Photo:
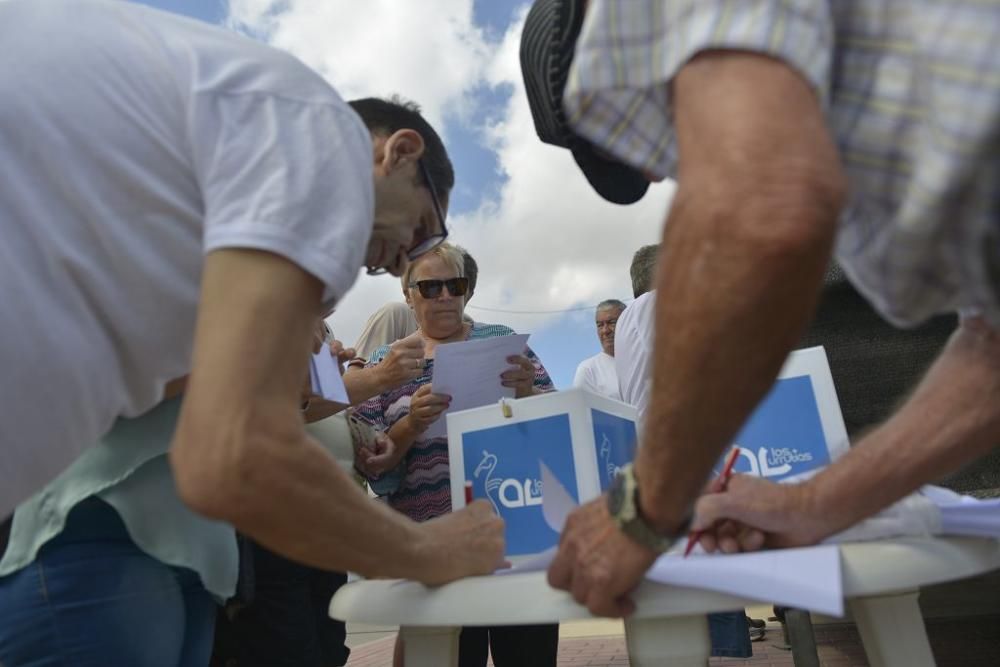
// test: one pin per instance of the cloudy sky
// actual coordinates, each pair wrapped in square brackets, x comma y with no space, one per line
[548,248]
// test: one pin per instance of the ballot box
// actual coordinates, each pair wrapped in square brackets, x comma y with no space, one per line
[581,437]
[798,428]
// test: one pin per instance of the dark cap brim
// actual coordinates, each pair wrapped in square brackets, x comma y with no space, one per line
[614,181]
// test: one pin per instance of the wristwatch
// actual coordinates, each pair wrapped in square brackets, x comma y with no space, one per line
[623,504]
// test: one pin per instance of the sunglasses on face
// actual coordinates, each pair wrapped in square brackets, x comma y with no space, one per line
[430,242]
[431,289]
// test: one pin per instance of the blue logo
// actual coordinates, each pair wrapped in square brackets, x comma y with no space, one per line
[784,436]
[502,464]
[614,442]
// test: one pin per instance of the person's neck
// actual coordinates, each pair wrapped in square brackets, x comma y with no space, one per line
[430,342]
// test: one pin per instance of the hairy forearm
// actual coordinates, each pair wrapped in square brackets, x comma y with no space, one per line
[363,383]
[952,418]
[240,452]
[718,347]
[744,250]
[295,499]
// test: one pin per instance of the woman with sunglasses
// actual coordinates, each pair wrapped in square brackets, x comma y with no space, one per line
[416,479]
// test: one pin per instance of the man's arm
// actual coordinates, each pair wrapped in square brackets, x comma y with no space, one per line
[744,249]
[240,452]
[952,418]
[745,246]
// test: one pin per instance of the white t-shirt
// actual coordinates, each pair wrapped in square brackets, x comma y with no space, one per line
[633,348]
[132,143]
[597,373]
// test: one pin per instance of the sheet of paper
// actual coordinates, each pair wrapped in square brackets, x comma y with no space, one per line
[965,515]
[326,378]
[469,371]
[806,578]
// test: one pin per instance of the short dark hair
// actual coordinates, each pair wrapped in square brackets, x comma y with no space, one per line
[611,303]
[643,269]
[386,116]
[471,269]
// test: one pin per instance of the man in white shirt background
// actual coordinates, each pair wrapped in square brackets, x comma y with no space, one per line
[597,373]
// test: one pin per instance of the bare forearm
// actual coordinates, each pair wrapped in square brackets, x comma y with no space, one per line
[717,350]
[743,255]
[363,383]
[952,418]
[404,434]
[297,501]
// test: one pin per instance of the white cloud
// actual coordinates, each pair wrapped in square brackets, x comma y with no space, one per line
[548,242]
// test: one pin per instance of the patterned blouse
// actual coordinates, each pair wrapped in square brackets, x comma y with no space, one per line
[420,487]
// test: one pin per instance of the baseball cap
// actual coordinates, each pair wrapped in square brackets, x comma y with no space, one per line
[547,45]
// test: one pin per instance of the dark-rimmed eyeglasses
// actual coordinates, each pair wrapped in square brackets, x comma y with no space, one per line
[431,289]
[432,241]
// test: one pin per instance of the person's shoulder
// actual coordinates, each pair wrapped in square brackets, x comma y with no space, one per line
[484,330]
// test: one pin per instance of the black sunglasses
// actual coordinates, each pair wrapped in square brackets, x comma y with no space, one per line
[431,289]
[432,241]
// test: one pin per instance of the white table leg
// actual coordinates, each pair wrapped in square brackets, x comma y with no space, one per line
[679,641]
[430,646]
[892,630]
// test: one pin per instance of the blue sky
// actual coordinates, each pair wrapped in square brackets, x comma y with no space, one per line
[548,247]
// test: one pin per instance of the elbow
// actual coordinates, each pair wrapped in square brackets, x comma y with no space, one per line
[216,480]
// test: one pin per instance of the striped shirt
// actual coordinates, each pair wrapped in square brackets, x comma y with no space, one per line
[421,487]
[910,90]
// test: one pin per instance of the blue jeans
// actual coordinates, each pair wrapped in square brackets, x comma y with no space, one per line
[92,598]
[730,634]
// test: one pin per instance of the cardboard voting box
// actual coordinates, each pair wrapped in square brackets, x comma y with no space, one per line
[581,437]
[798,428]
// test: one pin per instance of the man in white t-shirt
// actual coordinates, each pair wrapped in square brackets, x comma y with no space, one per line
[178,199]
[597,373]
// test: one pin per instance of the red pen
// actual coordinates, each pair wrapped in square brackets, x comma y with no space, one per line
[468,492]
[727,472]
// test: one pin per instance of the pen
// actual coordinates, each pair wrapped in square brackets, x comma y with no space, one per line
[727,472]
[468,492]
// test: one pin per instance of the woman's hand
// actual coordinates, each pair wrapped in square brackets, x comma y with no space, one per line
[426,407]
[404,362]
[520,376]
[378,457]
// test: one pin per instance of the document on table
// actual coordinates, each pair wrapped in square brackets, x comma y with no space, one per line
[806,578]
[324,374]
[469,372]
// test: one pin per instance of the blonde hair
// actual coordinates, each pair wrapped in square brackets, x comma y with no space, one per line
[448,253]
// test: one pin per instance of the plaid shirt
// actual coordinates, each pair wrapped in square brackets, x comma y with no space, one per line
[911,93]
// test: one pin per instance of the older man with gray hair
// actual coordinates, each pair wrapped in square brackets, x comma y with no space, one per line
[597,373]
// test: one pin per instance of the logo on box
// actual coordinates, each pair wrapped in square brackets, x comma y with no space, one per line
[502,464]
[784,437]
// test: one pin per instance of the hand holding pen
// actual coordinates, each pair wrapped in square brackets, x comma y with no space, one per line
[720,486]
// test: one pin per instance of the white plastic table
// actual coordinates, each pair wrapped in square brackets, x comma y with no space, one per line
[881,584]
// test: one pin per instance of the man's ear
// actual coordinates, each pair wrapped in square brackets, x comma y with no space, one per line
[406,297]
[403,147]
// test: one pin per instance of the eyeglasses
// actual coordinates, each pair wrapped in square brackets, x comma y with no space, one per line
[432,241]
[431,289]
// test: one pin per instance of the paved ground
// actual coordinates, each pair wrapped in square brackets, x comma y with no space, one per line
[971,642]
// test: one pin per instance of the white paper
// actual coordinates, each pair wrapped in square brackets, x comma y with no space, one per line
[806,578]
[469,371]
[556,501]
[326,378]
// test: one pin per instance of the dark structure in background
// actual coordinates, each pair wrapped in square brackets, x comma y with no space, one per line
[875,366]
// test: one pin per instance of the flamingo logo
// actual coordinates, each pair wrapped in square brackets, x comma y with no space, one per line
[487,466]
[510,492]
[610,469]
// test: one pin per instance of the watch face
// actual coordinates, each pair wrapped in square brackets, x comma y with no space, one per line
[616,495]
